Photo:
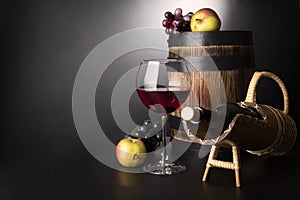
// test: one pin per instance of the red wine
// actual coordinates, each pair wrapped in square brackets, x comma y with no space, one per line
[163,99]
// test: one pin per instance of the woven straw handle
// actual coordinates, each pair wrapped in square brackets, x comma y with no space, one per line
[251,93]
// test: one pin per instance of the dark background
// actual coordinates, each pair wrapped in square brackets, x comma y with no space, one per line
[43,46]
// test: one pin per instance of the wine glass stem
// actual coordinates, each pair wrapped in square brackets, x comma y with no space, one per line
[164,139]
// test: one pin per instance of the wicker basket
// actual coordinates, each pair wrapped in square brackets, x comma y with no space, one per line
[287,130]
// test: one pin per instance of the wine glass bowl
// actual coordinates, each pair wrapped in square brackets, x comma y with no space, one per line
[163,85]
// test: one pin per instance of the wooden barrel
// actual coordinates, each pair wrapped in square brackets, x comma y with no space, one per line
[222,61]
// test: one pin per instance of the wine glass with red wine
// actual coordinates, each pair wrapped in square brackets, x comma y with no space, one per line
[163,85]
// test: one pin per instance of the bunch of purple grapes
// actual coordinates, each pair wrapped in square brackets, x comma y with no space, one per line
[150,133]
[176,22]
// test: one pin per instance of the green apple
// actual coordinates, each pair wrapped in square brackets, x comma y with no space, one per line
[130,152]
[205,19]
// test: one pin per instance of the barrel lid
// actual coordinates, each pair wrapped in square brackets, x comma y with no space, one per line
[207,38]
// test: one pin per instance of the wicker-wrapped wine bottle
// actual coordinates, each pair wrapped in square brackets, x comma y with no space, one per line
[258,128]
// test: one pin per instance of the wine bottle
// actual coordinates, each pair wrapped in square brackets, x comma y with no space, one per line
[198,114]
[218,119]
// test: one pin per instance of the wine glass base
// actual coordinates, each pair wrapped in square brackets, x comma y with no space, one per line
[166,169]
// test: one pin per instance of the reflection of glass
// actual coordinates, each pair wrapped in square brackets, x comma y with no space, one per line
[163,85]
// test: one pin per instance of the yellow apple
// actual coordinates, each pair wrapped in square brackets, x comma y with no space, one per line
[205,19]
[131,152]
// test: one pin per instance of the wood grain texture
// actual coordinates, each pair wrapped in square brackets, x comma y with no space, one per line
[213,87]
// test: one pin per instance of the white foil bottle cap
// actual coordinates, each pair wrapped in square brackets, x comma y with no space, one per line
[191,114]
